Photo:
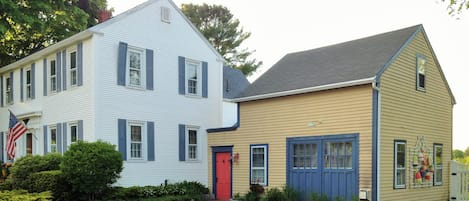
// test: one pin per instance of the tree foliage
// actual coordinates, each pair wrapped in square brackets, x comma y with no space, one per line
[457,6]
[223,31]
[91,167]
[27,26]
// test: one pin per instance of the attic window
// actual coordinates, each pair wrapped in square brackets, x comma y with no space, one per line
[165,14]
[421,72]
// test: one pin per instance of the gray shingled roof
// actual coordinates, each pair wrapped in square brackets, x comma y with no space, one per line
[234,82]
[348,61]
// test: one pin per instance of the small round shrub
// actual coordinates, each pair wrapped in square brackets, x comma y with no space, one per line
[25,166]
[274,194]
[91,167]
[45,181]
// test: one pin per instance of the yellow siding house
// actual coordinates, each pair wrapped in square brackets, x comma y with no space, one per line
[369,118]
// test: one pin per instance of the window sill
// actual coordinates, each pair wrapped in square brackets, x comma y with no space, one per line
[136,160]
[137,88]
[193,161]
[195,96]
[421,89]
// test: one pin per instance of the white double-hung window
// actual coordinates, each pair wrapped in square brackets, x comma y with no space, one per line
[438,160]
[399,164]
[53,76]
[259,164]
[8,91]
[27,84]
[136,136]
[192,143]
[73,69]
[193,78]
[53,138]
[135,67]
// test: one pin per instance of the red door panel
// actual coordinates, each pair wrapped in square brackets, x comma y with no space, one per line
[223,174]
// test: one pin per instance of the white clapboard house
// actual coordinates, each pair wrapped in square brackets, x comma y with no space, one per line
[145,80]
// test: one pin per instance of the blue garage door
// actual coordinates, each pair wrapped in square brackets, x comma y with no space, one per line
[326,165]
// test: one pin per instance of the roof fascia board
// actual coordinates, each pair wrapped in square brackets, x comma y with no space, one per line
[307,90]
[395,55]
[219,56]
[453,99]
[48,50]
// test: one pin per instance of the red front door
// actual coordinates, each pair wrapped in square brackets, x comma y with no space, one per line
[223,174]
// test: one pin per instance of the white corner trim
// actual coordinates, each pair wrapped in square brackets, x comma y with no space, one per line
[307,90]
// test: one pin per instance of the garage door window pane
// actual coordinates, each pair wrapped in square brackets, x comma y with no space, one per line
[338,155]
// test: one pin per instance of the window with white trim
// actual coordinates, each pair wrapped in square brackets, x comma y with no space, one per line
[193,78]
[136,138]
[27,84]
[192,143]
[73,130]
[73,68]
[135,67]
[165,14]
[8,92]
[421,72]
[399,164]
[259,164]
[438,164]
[53,76]
[53,138]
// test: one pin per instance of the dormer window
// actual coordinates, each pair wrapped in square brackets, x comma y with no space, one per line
[421,61]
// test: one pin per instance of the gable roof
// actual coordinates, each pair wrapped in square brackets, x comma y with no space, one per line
[345,64]
[234,82]
[87,33]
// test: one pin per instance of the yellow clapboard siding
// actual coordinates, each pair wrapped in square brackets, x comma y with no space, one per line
[271,121]
[407,113]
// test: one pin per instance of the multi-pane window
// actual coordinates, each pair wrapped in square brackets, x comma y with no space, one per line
[259,164]
[53,76]
[399,164]
[53,139]
[192,141]
[421,72]
[305,156]
[73,69]
[338,155]
[135,66]
[73,133]
[28,84]
[192,78]
[136,142]
[8,92]
[438,161]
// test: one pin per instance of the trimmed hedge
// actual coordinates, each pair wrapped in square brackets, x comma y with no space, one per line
[22,195]
[45,181]
[24,167]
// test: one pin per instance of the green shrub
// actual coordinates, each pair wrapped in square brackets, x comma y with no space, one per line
[7,185]
[24,167]
[45,181]
[291,194]
[316,197]
[23,195]
[193,187]
[91,167]
[274,194]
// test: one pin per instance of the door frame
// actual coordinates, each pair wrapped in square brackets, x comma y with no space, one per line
[215,150]
[321,139]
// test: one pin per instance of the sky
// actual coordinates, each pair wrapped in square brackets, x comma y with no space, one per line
[281,27]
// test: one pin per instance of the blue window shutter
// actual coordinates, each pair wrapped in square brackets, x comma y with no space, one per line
[1,147]
[1,91]
[121,130]
[12,87]
[80,130]
[121,63]
[80,64]
[33,81]
[182,142]
[151,140]
[204,79]
[182,75]
[58,71]
[149,73]
[45,139]
[64,70]
[59,138]
[44,67]
[64,137]
[21,85]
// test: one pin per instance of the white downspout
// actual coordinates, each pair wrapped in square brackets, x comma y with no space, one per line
[378,136]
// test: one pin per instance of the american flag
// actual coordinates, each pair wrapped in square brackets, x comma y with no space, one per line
[15,130]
